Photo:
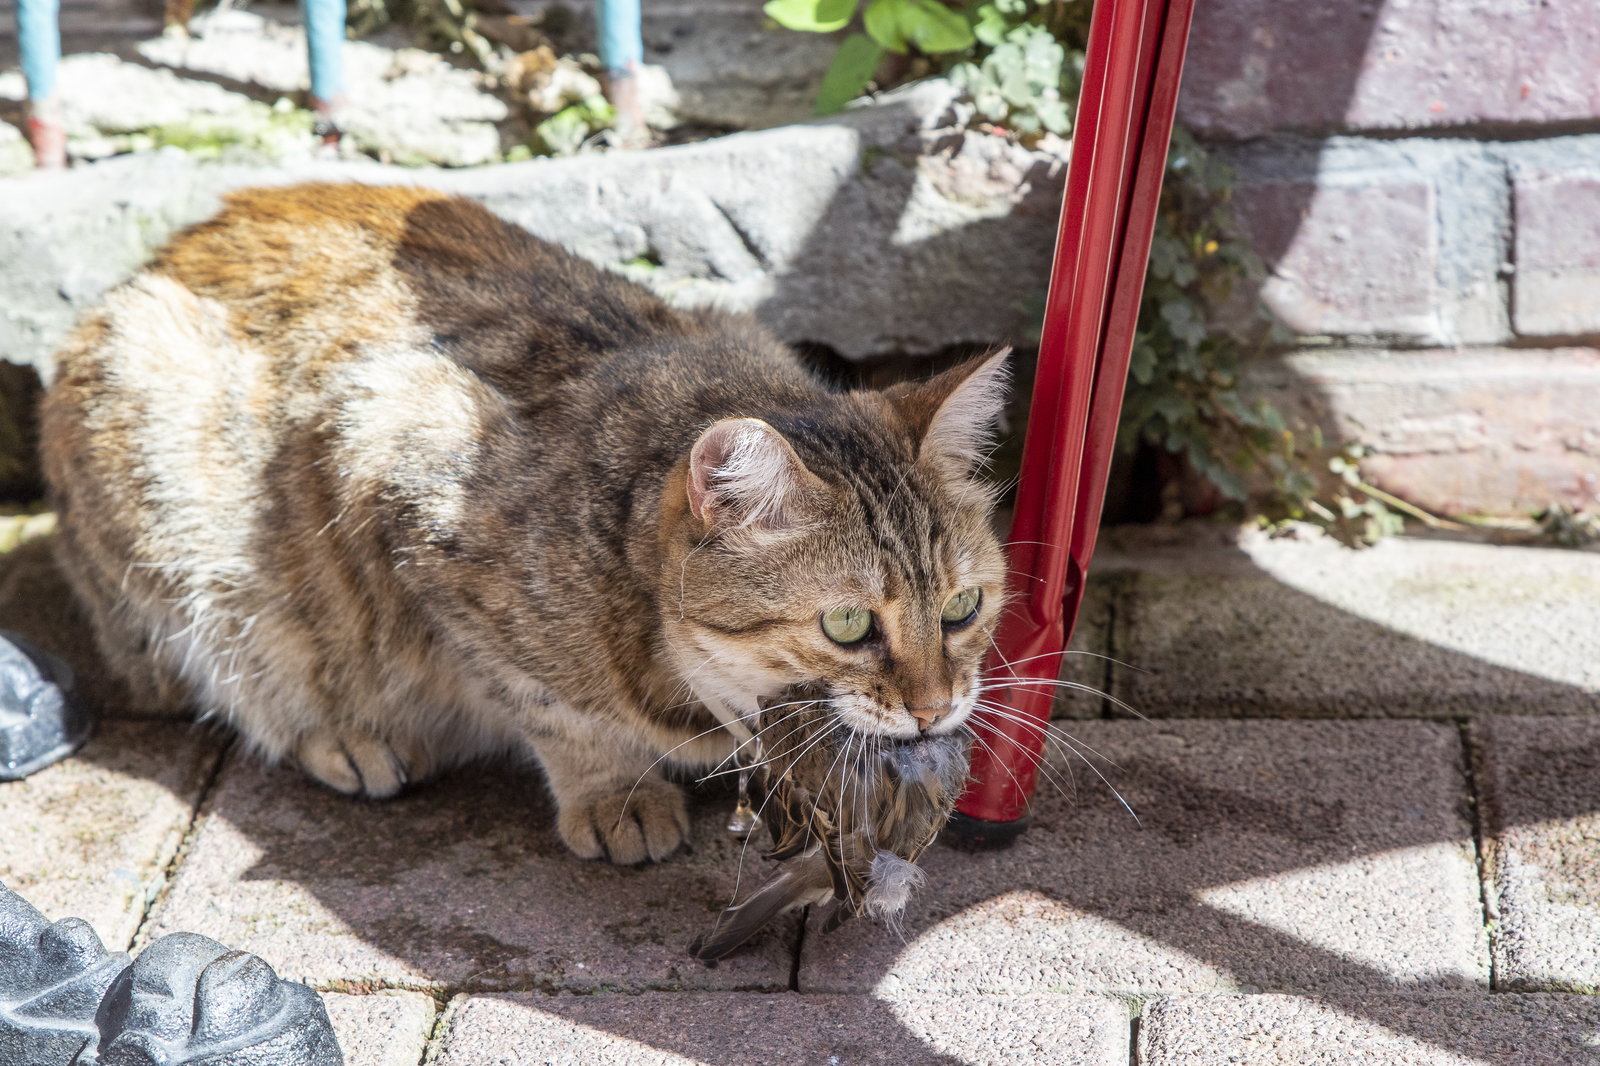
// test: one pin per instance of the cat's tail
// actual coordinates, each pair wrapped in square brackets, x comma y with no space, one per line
[799,881]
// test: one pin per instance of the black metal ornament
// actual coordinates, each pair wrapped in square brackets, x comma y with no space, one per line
[41,719]
[185,1001]
[53,977]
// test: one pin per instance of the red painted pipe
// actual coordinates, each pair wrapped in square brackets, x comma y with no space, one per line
[1125,111]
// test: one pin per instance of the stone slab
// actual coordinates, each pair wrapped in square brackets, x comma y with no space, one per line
[92,836]
[758,1030]
[386,1028]
[1557,284]
[459,883]
[1540,780]
[1261,66]
[1266,855]
[1477,431]
[1409,628]
[1420,1030]
[885,229]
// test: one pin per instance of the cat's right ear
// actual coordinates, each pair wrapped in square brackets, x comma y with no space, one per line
[953,416]
[744,475]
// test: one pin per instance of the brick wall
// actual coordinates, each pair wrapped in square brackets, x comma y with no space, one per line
[1422,179]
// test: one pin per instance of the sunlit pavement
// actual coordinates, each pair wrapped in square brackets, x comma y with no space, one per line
[1359,823]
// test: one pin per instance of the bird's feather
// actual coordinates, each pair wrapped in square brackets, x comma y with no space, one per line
[848,815]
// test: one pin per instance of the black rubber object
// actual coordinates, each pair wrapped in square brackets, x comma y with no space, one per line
[67,1001]
[984,833]
[41,719]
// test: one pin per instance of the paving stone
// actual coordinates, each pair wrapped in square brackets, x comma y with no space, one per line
[1540,780]
[1460,1029]
[1258,66]
[757,1030]
[1406,628]
[1557,284]
[461,882]
[1267,855]
[1478,431]
[411,106]
[92,836]
[388,1028]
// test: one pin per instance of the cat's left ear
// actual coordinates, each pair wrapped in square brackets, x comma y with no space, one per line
[744,475]
[954,414]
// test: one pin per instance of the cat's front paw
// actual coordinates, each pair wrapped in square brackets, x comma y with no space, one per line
[626,828]
[356,762]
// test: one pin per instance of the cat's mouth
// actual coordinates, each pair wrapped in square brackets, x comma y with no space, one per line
[943,756]
[922,749]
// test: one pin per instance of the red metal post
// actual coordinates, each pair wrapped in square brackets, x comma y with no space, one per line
[1124,121]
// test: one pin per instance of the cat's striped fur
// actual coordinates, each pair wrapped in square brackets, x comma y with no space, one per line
[388,484]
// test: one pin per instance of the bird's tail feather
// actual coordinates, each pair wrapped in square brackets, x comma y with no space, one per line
[799,881]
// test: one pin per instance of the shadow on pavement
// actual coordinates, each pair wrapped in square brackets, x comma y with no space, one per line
[463,883]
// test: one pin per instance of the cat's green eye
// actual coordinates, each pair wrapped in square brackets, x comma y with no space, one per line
[846,625]
[962,606]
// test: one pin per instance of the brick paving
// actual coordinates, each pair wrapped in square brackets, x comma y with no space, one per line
[460,884]
[741,1029]
[1328,864]
[1419,1030]
[1541,790]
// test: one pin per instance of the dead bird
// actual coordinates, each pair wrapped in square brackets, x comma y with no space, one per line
[849,816]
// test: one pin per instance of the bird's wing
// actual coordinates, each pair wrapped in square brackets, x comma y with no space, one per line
[798,882]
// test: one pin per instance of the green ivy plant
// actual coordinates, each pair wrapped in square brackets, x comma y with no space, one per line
[1027,77]
[1183,377]
[1008,55]
[1184,374]
[895,26]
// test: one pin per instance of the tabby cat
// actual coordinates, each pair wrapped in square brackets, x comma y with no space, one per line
[389,484]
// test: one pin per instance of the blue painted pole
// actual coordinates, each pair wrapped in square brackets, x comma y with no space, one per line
[39,38]
[324,22]
[621,52]
[621,40]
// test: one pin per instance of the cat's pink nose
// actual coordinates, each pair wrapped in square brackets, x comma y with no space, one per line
[927,716]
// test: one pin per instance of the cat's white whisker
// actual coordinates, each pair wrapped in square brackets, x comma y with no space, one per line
[1004,765]
[1072,744]
[1077,686]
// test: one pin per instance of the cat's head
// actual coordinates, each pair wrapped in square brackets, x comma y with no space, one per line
[847,544]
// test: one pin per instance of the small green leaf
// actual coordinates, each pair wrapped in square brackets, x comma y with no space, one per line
[852,67]
[1054,115]
[1231,484]
[884,23]
[1142,363]
[935,29]
[812,16]
[991,26]
[564,132]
